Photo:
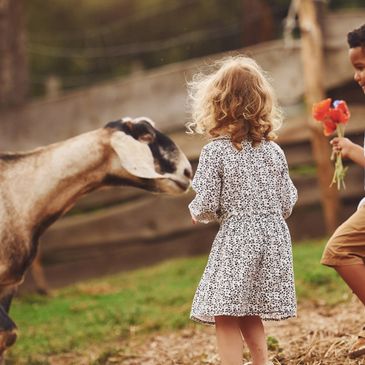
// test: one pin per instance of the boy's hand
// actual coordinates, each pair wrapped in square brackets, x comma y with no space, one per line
[349,150]
[343,145]
[193,221]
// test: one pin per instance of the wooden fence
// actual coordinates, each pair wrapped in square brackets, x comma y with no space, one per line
[124,228]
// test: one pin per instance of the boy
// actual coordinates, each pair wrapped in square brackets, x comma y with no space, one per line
[345,251]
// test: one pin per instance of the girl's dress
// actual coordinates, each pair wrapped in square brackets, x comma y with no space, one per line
[250,267]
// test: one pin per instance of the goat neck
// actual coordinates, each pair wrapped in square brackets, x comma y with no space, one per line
[46,182]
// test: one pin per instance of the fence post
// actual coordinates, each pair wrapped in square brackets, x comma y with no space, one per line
[313,69]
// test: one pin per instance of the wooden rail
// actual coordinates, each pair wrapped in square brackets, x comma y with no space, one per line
[126,215]
[123,228]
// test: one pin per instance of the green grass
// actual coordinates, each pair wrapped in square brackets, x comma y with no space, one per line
[305,170]
[139,302]
[316,282]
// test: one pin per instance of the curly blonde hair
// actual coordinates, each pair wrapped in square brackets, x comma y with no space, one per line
[236,99]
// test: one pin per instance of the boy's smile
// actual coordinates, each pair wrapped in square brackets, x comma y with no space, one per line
[357,58]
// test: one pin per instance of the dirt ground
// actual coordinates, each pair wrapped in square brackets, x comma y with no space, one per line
[320,335]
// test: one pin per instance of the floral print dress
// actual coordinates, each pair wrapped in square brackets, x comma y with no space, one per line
[250,267]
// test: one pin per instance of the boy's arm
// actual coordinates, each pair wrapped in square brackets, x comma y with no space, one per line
[349,150]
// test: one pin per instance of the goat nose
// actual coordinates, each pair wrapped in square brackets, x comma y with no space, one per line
[188,173]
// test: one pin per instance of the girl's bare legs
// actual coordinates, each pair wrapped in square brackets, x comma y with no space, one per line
[230,343]
[354,276]
[229,340]
[254,334]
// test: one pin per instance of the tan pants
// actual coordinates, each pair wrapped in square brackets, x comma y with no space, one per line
[347,245]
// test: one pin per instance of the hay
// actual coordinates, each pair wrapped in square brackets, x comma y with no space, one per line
[321,335]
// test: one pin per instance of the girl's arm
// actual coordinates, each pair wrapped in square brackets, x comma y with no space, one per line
[288,192]
[207,185]
[349,150]
[289,195]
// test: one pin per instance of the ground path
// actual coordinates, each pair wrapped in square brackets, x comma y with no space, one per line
[320,335]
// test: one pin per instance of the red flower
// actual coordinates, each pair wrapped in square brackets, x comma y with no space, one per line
[320,110]
[331,114]
[333,117]
[329,127]
[340,114]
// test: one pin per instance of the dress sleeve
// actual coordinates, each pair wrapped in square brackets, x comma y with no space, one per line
[207,185]
[288,194]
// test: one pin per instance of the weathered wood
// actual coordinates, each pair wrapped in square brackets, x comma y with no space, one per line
[293,138]
[106,198]
[309,193]
[294,129]
[257,24]
[293,132]
[131,221]
[158,93]
[313,68]
[300,154]
[13,55]
[65,265]
[135,222]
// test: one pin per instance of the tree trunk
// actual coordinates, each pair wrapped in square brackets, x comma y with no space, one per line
[312,58]
[257,22]
[13,56]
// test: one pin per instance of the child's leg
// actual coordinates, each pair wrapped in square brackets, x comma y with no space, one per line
[254,334]
[354,276]
[229,340]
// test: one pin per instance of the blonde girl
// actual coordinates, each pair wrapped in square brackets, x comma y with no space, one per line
[242,181]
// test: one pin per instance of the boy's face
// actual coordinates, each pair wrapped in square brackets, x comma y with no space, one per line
[357,58]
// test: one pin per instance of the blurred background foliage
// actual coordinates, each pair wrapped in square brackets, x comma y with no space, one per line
[91,40]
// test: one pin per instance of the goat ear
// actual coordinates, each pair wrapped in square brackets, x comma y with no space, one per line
[135,156]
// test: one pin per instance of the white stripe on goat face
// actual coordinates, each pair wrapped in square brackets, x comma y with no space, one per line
[135,156]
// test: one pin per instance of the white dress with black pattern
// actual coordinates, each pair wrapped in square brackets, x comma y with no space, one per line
[250,267]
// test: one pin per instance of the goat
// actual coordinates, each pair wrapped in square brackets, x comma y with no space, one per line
[39,186]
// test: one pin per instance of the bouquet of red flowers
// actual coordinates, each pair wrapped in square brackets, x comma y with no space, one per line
[334,116]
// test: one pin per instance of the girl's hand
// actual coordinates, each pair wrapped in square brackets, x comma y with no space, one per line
[343,145]
[193,221]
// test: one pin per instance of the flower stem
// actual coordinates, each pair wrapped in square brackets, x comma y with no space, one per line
[340,171]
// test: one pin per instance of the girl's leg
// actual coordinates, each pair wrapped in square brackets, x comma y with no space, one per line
[229,340]
[354,276]
[254,334]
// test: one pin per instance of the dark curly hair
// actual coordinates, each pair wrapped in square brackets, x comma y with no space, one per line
[356,38]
